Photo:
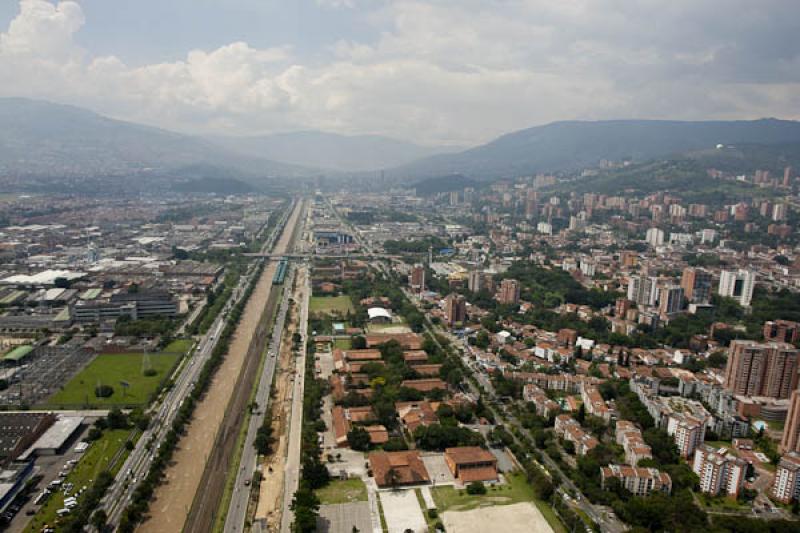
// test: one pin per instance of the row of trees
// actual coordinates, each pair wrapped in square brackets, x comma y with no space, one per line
[143,494]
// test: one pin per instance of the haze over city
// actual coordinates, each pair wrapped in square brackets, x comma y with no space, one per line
[445,72]
[403,266]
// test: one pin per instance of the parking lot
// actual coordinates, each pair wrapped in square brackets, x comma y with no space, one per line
[343,517]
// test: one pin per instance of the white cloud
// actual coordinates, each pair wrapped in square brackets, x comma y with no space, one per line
[446,71]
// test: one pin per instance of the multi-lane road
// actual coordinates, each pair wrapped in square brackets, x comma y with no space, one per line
[163,414]
[248,462]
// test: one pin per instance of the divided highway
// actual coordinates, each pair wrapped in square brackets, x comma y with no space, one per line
[162,415]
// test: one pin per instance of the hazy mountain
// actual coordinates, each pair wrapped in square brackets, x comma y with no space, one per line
[51,140]
[575,145]
[343,153]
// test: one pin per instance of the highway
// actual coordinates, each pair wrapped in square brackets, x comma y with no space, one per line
[291,479]
[236,514]
[138,462]
[248,462]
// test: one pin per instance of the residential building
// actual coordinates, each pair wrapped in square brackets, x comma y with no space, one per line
[570,430]
[790,441]
[670,300]
[762,369]
[696,283]
[738,285]
[781,331]
[786,485]
[508,292]
[637,480]
[643,290]
[417,278]
[720,472]
[455,309]
[687,432]
[655,237]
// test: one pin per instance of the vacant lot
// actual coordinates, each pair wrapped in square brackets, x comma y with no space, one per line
[100,456]
[111,370]
[515,490]
[338,491]
[402,512]
[331,305]
[517,518]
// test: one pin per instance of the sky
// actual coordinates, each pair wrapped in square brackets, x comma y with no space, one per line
[433,72]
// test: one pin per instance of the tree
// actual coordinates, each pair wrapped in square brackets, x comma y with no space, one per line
[305,505]
[581,414]
[476,487]
[358,438]
[99,519]
[116,419]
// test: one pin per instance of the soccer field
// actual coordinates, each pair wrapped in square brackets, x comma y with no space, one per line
[331,305]
[112,370]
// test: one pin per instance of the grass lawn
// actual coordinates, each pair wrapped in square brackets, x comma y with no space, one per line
[97,458]
[110,369]
[331,305]
[515,491]
[721,444]
[721,503]
[343,491]
[343,344]
[179,346]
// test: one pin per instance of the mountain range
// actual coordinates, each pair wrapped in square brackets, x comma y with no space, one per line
[573,145]
[56,142]
[330,151]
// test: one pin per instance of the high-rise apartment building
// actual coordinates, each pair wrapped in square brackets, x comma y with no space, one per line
[738,285]
[762,369]
[455,309]
[670,300]
[781,331]
[417,278]
[696,283]
[643,290]
[790,441]
[786,485]
[655,237]
[719,471]
[508,293]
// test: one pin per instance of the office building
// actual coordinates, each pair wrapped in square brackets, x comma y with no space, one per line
[508,292]
[762,369]
[786,485]
[738,285]
[719,471]
[696,284]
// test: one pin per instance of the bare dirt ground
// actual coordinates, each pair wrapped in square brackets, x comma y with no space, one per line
[172,501]
[516,518]
[271,489]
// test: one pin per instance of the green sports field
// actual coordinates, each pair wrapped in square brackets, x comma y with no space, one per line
[111,369]
[331,305]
